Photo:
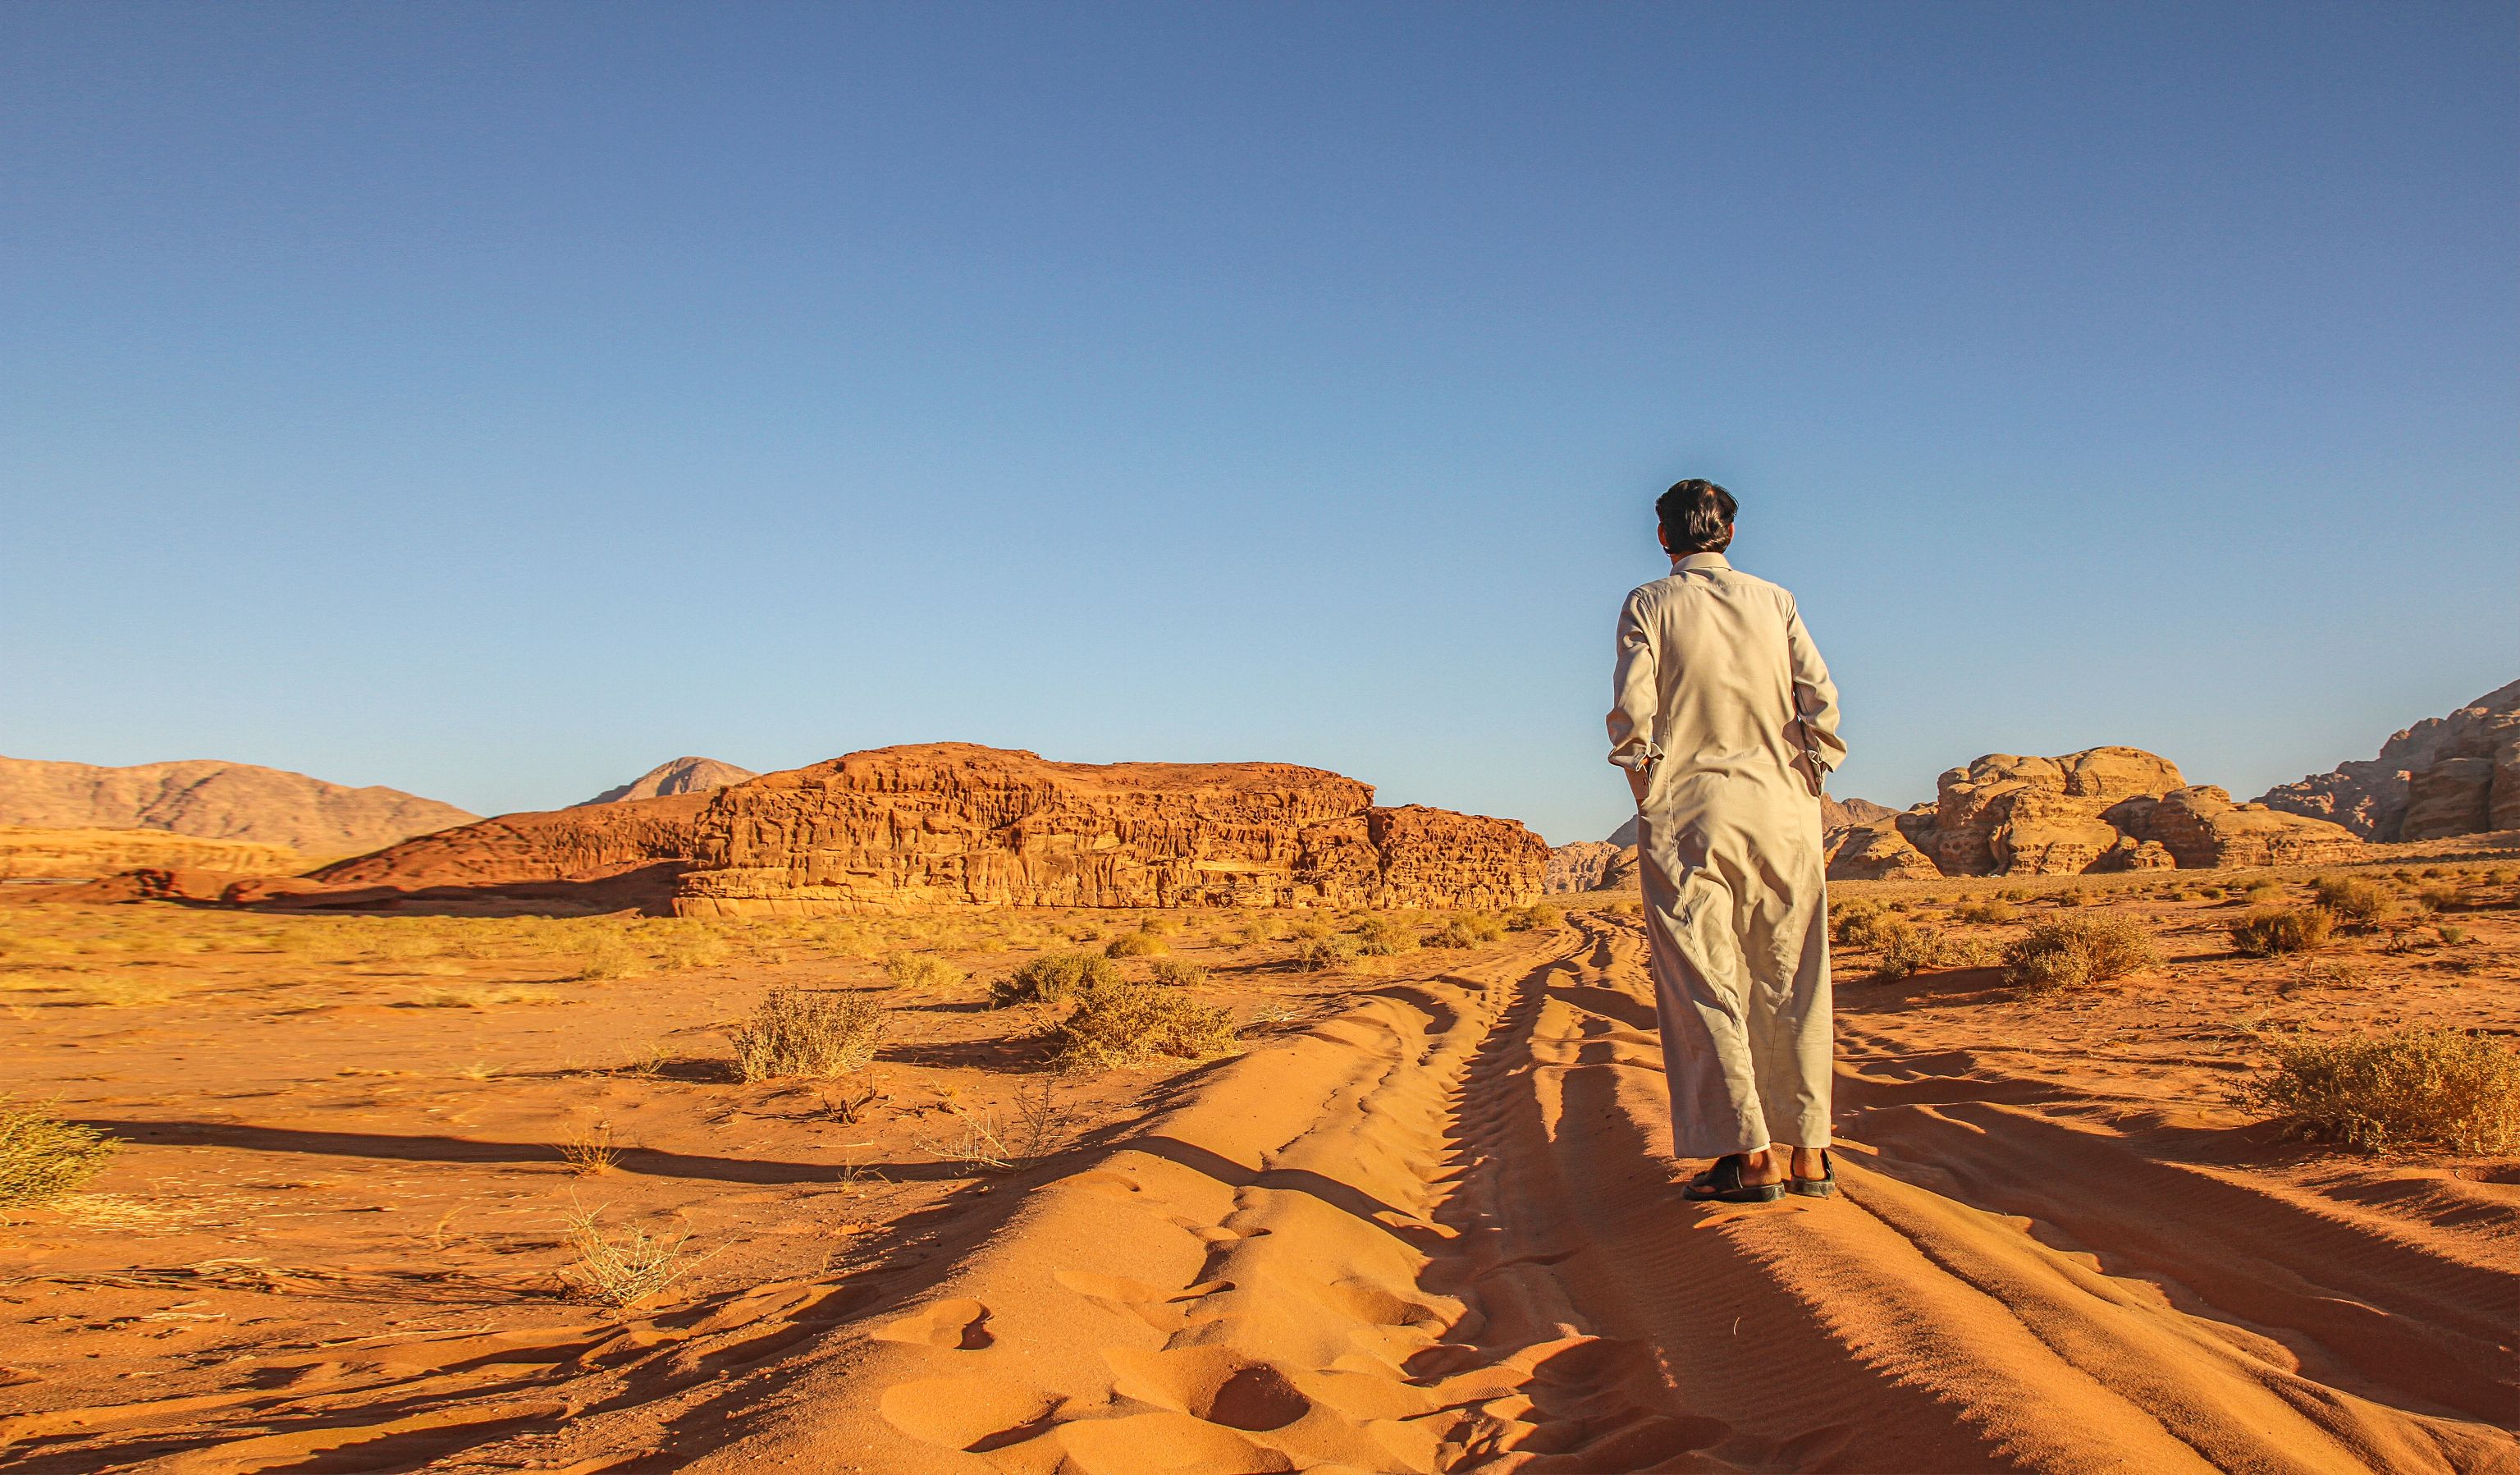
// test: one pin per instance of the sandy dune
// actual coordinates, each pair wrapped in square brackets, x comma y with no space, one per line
[1436,1231]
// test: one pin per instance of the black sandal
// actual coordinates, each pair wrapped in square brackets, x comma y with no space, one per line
[1821,1186]
[1721,1184]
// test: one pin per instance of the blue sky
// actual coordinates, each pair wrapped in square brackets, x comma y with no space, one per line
[493,402]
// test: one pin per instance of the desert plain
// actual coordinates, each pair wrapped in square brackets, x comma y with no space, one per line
[493,1192]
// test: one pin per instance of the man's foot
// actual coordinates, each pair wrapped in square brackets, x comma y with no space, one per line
[1813,1175]
[1725,1182]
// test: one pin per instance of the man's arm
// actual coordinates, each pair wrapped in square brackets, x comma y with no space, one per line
[1634,699]
[1814,700]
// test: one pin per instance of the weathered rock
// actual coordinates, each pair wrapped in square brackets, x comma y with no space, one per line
[2006,815]
[1579,866]
[1876,850]
[2431,764]
[684,775]
[952,823]
[88,853]
[2202,828]
[217,800]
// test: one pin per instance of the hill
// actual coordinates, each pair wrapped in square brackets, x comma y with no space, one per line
[2458,774]
[217,800]
[684,775]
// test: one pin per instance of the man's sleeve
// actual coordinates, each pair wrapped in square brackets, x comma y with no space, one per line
[1634,694]
[1815,694]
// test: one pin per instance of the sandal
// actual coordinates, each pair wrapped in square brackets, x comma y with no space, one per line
[1821,1186]
[1721,1184]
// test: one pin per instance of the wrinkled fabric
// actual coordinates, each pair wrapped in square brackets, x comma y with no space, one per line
[1724,705]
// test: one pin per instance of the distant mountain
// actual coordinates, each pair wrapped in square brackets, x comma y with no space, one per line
[218,801]
[684,775]
[2449,775]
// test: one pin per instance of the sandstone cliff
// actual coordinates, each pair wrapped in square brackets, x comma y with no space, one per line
[2101,809]
[1579,865]
[951,823]
[2449,775]
[684,775]
[218,801]
[956,823]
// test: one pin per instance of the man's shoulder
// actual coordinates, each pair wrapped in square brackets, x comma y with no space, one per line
[1680,583]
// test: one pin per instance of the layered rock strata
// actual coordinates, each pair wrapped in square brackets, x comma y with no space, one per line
[2449,775]
[957,823]
[2101,809]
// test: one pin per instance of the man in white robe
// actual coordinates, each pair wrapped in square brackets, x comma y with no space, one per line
[1726,722]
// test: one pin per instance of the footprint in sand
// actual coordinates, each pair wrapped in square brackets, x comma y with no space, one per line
[959,1325]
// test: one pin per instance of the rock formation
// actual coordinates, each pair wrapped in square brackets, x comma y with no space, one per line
[218,801]
[1611,864]
[951,823]
[1579,865]
[2101,809]
[955,823]
[2450,775]
[684,775]
[81,855]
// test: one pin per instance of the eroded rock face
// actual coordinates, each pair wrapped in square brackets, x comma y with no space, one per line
[2448,775]
[2101,809]
[1579,865]
[953,822]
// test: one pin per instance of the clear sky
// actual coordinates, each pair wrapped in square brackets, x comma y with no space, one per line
[496,400]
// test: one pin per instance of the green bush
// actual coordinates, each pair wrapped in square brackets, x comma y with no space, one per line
[2271,931]
[1053,978]
[2070,952]
[2415,1088]
[1127,1023]
[794,1033]
[43,1157]
[2354,899]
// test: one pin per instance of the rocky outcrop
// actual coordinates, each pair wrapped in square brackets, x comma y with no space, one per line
[2101,809]
[2448,775]
[81,855]
[1579,865]
[684,775]
[217,800]
[951,823]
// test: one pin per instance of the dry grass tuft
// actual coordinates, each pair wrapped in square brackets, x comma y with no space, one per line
[1863,924]
[2353,899]
[1326,954]
[795,1032]
[1173,973]
[1988,913]
[2071,953]
[1125,1024]
[610,956]
[2332,972]
[43,1157]
[590,1150]
[920,970]
[1053,978]
[1538,917]
[626,1269]
[1136,945]
[2413,1087]
[2271,931]
[1469,929]
[1384,936]
[1037,1125]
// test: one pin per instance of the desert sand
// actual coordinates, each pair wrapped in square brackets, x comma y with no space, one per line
[1421,1220]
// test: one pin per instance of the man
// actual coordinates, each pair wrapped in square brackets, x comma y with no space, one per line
[1726,722]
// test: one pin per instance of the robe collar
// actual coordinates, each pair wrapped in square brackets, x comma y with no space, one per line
[1689,562]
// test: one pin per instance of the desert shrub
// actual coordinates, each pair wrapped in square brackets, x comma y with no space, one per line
[1383,938]
[920,970]
[1173,973]
[1136,945]
[1538,917]
[1626,906]
[43,1157]
[2072,896]
[1160,926]
[1324,953]
[1988,913]
[2403,873]
[2262,891]
[2454,936]
[693,948]
[2269,931]
[2072,951]
[1053,978]
[2440,897]
[2413,1087]
[1130,1024]
[1468,929]
[2501,875]
[1310,932]
[2353,899]
[624,1269]
[1908,949]
[609,955]
[1864,924]
[794,1033]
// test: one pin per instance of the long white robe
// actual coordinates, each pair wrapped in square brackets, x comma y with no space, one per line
[1724,704]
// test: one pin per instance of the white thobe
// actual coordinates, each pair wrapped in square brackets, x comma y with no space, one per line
[1724,705]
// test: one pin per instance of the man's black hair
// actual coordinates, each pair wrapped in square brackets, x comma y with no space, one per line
[1696,516]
